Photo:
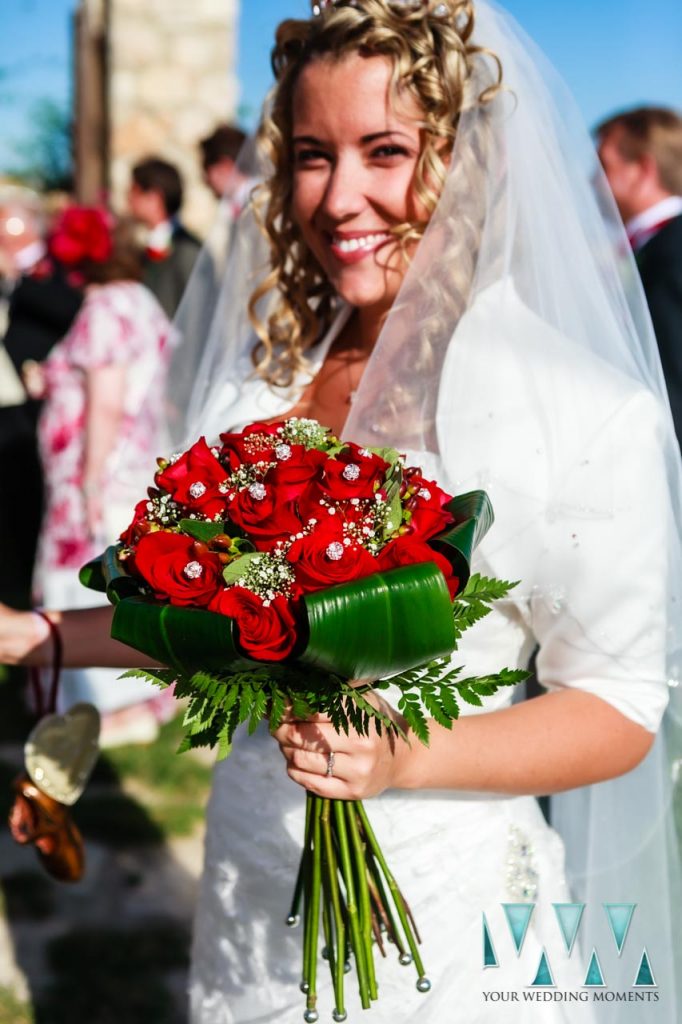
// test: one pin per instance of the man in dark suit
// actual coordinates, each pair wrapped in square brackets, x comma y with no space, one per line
[40,305]
[641,152]
[155,199]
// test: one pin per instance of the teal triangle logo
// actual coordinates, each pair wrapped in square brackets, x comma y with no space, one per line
[620,916]
[518,918]
[645,976]
[569,916]
[543,977]
[594,977]
[489,955]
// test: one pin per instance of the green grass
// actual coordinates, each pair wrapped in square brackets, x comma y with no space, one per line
[171,788]
[144,795]
[159,766]
[12,1011]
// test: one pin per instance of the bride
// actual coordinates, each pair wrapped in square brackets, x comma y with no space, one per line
[441,279]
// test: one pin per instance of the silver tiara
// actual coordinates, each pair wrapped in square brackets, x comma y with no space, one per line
[440,10]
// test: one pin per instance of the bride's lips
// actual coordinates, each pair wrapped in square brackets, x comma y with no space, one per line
[353,246]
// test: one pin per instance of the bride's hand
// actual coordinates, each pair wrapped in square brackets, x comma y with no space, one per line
[362,766]
[22,636]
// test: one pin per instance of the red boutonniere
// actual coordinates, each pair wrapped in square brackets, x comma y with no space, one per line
[157,255]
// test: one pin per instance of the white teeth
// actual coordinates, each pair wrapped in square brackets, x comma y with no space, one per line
[353,244]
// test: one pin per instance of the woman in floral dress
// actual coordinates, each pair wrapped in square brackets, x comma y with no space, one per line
[93,384]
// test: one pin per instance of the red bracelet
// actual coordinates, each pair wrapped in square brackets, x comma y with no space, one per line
[57,659]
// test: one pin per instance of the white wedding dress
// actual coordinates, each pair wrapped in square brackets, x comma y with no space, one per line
[458,856]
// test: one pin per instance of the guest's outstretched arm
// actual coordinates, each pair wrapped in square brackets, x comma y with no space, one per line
[86,636]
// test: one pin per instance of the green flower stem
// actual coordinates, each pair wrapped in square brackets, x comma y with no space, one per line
[305,871]
[351,904]
[385,905]
[339,921]
[313,908]
[379,919]
[363,895]
[303,863]
[393,887]
[327,919]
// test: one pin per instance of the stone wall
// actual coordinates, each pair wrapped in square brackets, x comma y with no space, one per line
[170,78]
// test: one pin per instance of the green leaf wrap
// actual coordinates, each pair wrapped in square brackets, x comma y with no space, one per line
[184,638]
[108,575]
[473,515]
[380,625]
[92,577]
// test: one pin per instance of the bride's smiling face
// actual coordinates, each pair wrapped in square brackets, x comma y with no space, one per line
[355,158]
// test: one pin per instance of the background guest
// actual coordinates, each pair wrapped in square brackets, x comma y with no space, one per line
[39,304]
[94,384]
[219,153]
[226,173]
[641,151]
[155,200]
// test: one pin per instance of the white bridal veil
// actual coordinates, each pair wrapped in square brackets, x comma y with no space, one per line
[525,217]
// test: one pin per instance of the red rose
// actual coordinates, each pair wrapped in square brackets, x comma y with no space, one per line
[131,534]
[408,550]
[294,474]
[194,479]
[255,443]
[353,473]
[259,511]
[314,503]
[429,517]
[82,233]
[267,632]
[171,566]
[322,558]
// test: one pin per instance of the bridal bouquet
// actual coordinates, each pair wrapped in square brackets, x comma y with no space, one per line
[283,569]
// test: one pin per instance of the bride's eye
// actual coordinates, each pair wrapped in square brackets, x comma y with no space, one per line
[387,151]
[310,157]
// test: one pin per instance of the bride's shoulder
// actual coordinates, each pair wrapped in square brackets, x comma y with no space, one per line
[503,340]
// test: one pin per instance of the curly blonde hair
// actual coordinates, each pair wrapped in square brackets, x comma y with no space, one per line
[433,57]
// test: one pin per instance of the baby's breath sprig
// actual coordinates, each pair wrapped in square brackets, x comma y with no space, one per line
[309,433]
[267,574]
[162,510]
[248,473]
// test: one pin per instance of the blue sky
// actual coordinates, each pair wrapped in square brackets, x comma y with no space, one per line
[613,53]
